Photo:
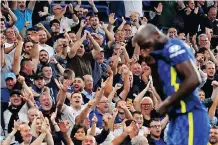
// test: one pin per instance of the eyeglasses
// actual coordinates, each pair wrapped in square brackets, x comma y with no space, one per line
[204,40]
[57,8]
[155,126]
[146,105]
[104,102]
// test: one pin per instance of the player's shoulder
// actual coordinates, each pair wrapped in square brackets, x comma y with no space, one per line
[175,47]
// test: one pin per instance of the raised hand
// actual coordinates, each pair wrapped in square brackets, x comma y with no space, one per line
[53,60]
[27,23]
[39,25]
[94,119]
[102,25]
[196,10]
[91,2]
[188,11]
[115,112]
[123,20]
[44,127]
[34,37]
[25,96]
[111,18]
[159,8]
[109,71]
[5,5]
[20,79]
[53,116]
[118,86]
[123,106]
[82,24]
[70,6]
[144,20]
[64,126]
[17,125]
[91,103]
[41,14]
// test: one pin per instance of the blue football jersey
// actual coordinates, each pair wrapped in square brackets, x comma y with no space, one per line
[175,52]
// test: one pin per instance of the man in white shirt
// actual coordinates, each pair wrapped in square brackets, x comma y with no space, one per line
[88,89]
[133,6]
[65,23]
[42,41]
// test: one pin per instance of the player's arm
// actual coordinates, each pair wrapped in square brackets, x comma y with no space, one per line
[191,79]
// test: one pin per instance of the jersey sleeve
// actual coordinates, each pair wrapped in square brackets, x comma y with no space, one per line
[178,52]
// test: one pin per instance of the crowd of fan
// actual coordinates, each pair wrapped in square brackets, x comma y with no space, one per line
[67,77]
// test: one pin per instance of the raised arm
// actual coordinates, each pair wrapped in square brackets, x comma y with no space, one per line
[14,5]
[93,127]
[126,86]
[109,35]
[74,47]
[13,18]
[91,2]
[74,16]
[31,4]
[109,82]
[79,32]
[212,109]
[111,22]
[62,94]
[34,54]
[58,66]
[96,46]
[42,136]
[212,57]
[122,24]
[23,31]
[2,57]
[139,97]
[10,136]
[17,54]
[79,120]
[47,33]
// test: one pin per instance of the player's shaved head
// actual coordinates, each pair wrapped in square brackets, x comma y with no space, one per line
[148,36]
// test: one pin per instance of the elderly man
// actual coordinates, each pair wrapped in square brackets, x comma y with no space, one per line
[65,23]
[89,140]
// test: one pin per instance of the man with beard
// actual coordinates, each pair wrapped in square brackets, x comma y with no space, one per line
[42,43]
[181,100]
[213,136]
[78,86]
[22,13]
[155,132]
[44,60]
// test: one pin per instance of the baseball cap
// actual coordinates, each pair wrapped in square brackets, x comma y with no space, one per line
[38,76]
[10,75]
[15,91]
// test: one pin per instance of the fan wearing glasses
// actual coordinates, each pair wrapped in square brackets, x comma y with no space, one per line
[155,133]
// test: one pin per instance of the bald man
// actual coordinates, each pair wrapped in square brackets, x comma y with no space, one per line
[179,79]
[89,140]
